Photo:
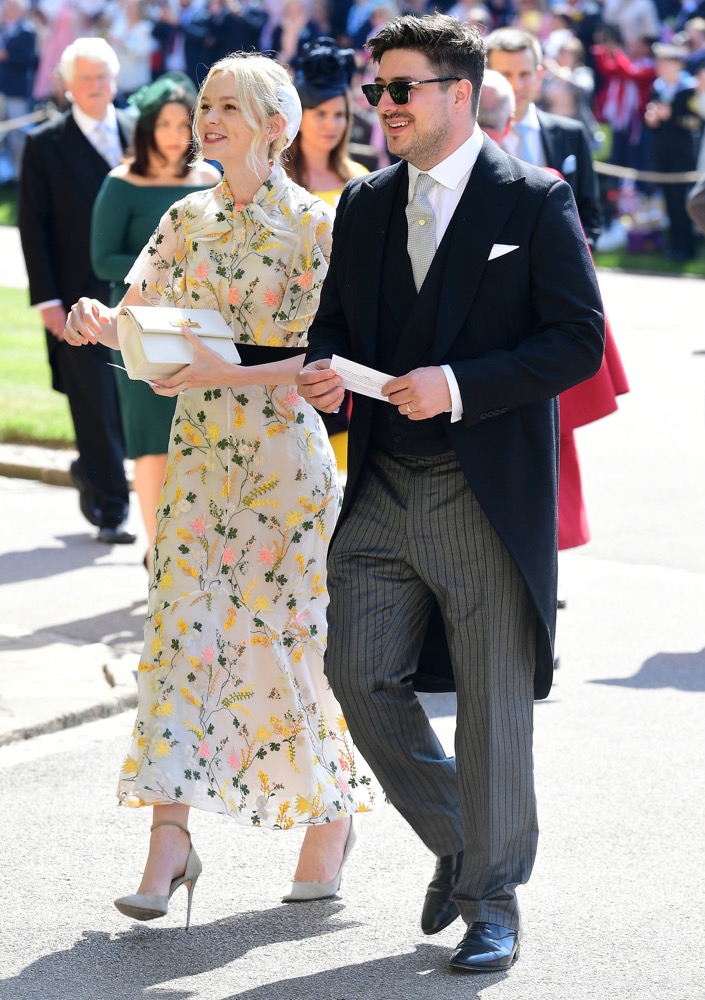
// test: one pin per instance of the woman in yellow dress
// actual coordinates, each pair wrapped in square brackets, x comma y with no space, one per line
[235,715]
[319,158]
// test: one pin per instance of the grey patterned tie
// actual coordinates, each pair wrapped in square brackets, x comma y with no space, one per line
[421,242]
[523,148]
[105,144]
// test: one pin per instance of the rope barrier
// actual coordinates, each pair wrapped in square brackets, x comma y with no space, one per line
[32,118]
[649,176]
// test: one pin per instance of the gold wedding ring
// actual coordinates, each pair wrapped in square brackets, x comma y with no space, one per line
[408,408]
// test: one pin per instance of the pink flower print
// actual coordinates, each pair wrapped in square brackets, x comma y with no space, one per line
[272,298]
[233,761]
[201,271]
[301,618]
[266,556]
[238,207]
[228,556]
[306,279]
[199,525]
[204,750]
[344,787]
[207,655]
[233,296]
[291,399]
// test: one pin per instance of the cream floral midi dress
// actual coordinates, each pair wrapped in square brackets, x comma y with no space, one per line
[234,712]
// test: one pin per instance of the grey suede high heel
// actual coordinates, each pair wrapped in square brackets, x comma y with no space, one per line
[304,892]
[145,906]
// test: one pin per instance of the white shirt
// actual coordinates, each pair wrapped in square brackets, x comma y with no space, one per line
[451,176]
[530,122]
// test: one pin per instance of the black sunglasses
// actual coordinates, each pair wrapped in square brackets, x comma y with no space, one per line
[399,90]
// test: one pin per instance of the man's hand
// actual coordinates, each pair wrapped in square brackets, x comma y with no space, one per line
[421,394]
[320,386]
[54,319]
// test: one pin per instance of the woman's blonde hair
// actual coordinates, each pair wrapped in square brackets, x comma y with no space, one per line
[258,82]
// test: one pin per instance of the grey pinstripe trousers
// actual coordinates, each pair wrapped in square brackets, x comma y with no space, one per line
[415,532]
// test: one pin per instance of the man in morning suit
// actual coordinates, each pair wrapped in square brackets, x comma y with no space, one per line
[450,503]
[538,137]
[64,164]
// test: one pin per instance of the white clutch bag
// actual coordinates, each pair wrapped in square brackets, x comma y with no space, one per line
[154,347]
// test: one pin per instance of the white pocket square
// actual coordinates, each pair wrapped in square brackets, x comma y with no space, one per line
[499,249]
[570,165]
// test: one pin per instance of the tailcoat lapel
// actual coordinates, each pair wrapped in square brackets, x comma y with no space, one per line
[376,201]
[488,201]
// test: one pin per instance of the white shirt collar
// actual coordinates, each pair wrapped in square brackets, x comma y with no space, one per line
[453,169]
[531,119]
[87,124]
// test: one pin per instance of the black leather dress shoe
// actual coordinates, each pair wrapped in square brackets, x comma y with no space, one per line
[439,910]
[116,534]
[86,497]
[486,948]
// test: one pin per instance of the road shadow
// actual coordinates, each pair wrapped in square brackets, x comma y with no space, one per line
[79,551]
[681,671]
[131,965]
[118,628]
[423,974]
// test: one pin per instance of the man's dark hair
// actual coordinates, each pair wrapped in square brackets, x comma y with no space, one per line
[451,47]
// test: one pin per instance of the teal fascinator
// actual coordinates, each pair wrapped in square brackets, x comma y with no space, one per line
[150,99]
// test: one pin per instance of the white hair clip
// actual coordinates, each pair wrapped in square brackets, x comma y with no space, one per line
[290,105]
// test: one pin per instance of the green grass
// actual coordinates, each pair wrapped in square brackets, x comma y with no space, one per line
[651,263]
[30,410]
[8,204]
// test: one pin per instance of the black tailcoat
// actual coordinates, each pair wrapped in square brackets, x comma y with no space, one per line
[516,330]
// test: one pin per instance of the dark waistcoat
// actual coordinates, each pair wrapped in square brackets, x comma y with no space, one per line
[406,329]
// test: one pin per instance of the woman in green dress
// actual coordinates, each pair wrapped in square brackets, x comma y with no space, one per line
[132,200]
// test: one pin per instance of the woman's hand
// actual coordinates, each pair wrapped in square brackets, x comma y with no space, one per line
[206,370]
[91,322]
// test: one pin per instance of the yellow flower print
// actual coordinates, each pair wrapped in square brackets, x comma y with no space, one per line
[182,626]
[300,562]
[187,568]
[342,724]
[230,619]
[263,734]
[166,709]
[239,416]
[197,732]
[213,432]
[190,697]
[162,747]
[260,604]
[184,534]
[303,805]
[130,766]
[145,667]
[264,782]
[195,663]
[297,655]
[293,519]
[316,588]
[260,640]
[275,429]
[191,434]
[166,582]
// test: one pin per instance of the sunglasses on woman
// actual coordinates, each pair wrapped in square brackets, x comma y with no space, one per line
[399,90]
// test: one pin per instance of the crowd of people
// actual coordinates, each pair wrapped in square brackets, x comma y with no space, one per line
[632,71]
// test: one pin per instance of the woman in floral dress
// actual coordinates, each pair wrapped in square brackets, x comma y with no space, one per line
[234,713]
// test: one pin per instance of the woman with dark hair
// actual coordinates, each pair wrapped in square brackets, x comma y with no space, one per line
[319,160]
[131,202]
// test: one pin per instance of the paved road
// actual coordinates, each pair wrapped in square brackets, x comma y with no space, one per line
[615,907]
